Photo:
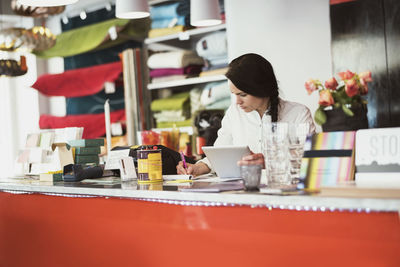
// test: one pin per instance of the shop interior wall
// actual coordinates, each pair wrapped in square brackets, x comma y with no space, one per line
[293,35]
[366,36]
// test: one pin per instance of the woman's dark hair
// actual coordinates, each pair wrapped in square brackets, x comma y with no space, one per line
[253,74]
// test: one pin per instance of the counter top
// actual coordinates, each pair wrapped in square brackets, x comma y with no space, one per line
[113,187]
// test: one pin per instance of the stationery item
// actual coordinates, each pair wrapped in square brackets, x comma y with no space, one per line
[32,140]
[183,160]
[175,177]
[127,169]
[149,165]
[211,187]
[224,159]
[50,177]
[328,159]
[113,158]
[87,150]
[46,139]
[84,159]
[108,126]
[378,157]
[86,142]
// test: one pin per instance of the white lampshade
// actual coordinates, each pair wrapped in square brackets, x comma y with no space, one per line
[131,9]
[204,13]
[46,2]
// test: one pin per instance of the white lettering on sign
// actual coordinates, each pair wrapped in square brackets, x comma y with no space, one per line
[380,145]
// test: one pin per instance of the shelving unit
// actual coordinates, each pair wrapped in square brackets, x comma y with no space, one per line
[188,81]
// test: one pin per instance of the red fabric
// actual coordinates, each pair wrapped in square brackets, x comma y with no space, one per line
[94,124]
[78,82]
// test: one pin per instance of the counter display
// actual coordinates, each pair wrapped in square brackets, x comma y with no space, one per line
[106,223]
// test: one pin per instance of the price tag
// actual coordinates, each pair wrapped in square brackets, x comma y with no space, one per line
[183,36]
[109,87]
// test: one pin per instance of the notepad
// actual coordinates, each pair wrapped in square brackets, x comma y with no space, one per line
[172,177]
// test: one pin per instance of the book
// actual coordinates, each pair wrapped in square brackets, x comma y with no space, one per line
[86,142]
[328,159]
[83,159]
[95,150]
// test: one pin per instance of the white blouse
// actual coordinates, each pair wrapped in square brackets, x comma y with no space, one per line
[244,128]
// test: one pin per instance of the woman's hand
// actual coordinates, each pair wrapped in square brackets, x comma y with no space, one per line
[252,159]
[194,169]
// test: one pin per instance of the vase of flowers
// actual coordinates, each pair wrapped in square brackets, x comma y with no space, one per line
[341,105]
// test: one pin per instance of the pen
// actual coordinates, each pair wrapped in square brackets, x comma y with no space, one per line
[183,160]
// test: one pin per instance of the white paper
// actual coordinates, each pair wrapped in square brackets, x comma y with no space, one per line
[114,157]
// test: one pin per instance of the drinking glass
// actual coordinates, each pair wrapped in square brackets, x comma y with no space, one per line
[251,175]
[297,135]
[276,153]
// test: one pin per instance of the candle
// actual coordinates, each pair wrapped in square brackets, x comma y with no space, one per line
[108,126]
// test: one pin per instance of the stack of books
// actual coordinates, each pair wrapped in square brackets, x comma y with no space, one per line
[86,151]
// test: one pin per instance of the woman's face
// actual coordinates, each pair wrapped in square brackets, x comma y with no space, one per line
[248,102]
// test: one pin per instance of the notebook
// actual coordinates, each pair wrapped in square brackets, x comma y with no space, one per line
[224,159]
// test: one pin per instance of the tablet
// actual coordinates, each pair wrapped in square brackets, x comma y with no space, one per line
[224,159]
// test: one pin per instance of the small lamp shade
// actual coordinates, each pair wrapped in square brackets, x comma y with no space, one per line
[204,13]
[131,9]
[41,3]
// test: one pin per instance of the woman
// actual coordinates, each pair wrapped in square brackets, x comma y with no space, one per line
[252,80]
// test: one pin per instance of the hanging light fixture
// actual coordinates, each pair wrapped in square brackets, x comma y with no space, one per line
[47,2]
[204,13]
[131,9]
[12,68]
[34,11]
[20,39]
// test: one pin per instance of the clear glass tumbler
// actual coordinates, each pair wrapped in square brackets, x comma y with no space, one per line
[297,136]
[276,153]
[251,175]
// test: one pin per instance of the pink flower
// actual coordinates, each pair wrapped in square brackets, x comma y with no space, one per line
[311,86]
[331,83]
[366,76]
[325,98]
[346,75]
[364,87]
[351,88]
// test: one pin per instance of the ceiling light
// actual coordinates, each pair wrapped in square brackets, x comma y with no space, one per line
[204,13]
[41,3]
[131,9]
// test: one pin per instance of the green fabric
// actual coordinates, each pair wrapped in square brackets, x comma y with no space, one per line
[170,124]
[94,36]
[174,102]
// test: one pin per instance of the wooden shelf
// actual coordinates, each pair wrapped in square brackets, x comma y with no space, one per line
[188,81]
[183,36]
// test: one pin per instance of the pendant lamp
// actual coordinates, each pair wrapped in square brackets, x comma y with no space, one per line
[34,11]
[204,13]
[131,9]
[47,2]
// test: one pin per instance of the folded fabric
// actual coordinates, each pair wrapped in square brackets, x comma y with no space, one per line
[195,104]
[91,104]
[213,72]
[174,102]
[220,104]
[212,45]
[168,22]
[95,36]
[192,69]
[207,66]
[78,82]
[94,124]
[168,78]
[176,123]
[214,92]
[170,115]
[170,10]
[166,31]
[174,59]
[218,60]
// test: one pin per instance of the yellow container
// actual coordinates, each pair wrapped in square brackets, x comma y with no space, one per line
[149,166]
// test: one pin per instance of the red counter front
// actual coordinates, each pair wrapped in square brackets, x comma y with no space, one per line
[41,230]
